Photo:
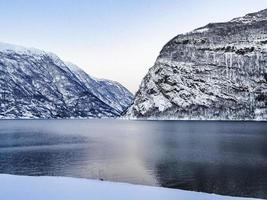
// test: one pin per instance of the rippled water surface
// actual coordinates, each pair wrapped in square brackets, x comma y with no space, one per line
[217,157]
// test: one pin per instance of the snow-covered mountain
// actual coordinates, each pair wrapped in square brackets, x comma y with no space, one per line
[214,72]
[37,84]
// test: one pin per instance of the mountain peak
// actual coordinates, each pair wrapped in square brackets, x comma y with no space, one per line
[6,47]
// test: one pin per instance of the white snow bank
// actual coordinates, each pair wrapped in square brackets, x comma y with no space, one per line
[59,188]
[201,30]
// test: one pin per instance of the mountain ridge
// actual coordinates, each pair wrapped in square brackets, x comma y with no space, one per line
[38,84]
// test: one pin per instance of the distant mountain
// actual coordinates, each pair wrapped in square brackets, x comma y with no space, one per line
[37,84]
[214,72]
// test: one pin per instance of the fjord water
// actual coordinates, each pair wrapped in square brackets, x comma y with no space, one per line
[217,157]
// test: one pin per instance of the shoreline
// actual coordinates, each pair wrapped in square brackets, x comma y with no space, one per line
[136,119]
[14,187]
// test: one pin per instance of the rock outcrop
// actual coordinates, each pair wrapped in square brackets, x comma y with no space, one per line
[216,72]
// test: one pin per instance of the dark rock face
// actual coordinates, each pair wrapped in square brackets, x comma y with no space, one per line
[36,84]
[214,72]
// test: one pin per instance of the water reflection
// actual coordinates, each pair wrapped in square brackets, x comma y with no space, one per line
[218,157]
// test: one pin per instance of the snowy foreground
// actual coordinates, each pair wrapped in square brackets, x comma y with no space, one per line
[59,188]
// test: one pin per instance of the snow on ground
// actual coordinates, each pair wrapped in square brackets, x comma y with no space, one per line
[59,188]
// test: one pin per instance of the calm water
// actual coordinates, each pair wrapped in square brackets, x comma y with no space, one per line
[218,157]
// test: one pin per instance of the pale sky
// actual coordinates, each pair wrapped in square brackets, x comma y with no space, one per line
[113,39]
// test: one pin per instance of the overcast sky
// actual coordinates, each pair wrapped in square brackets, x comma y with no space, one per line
[113,39]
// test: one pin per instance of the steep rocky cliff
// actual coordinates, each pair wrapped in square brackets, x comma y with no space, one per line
[214,72]
[37,84]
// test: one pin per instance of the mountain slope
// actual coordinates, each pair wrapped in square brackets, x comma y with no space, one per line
[110,92]
[37,84]
[214,72]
